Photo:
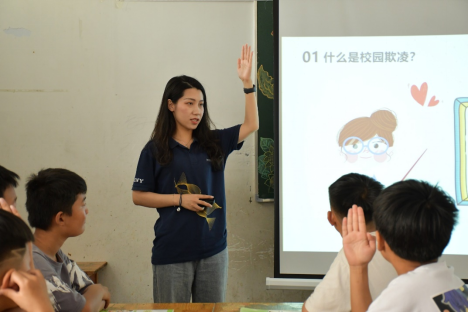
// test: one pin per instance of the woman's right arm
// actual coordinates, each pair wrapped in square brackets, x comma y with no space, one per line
[155,200]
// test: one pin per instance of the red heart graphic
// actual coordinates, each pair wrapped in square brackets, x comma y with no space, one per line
[433,102]
[419,94]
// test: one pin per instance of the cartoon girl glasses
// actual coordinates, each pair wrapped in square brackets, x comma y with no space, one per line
[354,145]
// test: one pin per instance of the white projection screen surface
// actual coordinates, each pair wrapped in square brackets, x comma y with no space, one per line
[341,60]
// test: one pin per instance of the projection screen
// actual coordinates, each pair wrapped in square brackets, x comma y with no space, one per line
[338,61]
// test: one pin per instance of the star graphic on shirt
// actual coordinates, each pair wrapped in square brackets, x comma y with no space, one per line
[193,189]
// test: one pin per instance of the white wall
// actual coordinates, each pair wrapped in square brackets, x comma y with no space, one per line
[80,87]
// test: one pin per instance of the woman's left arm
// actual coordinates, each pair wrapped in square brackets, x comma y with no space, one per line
[244,70]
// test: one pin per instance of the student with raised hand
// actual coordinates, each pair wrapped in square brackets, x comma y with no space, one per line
[414,222]
[179,171]
[8,183]
[56,204]
[333,293]
[22,288]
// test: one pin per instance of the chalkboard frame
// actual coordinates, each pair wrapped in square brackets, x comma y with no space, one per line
[265,82]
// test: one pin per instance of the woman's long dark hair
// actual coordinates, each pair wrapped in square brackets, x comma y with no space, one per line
[165,126]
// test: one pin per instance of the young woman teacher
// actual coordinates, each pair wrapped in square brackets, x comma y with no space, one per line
[181,172]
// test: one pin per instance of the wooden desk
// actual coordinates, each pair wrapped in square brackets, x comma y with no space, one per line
[92,268]
[205,307]
[235,307]
[177,307]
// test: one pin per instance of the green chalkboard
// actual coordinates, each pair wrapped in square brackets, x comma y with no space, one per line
[265,69]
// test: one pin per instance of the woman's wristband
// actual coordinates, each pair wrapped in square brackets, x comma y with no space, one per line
[180,202]
[250,90]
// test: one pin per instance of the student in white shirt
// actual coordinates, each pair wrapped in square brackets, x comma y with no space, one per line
[414,222]
[333,293]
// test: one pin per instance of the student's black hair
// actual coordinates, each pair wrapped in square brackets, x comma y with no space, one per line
[14,234]
[165,126]
[49,192]
[416,219]
[354,189]
[7,178]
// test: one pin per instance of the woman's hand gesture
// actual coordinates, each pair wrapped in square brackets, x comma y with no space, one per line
[195,201]
[244,64]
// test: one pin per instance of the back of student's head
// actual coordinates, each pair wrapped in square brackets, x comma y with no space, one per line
[7,178]
[354,189]
[416,219]
[49,192]
[14,234]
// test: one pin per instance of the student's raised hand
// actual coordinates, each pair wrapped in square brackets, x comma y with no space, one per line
[27,289]
[358,245]
[9,208]
[244,65]
[194,201]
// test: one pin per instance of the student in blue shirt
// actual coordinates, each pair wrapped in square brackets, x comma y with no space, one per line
[179,171]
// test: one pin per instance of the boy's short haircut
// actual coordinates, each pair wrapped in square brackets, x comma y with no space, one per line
[14,234]
[49,192]
[416,219]
[7,178]
[354,189]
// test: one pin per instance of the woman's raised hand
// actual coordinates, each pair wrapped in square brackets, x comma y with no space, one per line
[244,64]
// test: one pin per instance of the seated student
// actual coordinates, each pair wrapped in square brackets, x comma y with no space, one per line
[22,288]
[414,222]
[332,294]
[8,183]
[56,203]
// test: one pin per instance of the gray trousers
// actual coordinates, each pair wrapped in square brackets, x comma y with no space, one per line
[204,280]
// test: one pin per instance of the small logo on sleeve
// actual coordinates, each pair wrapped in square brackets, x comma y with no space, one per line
[137,180]
[453,300]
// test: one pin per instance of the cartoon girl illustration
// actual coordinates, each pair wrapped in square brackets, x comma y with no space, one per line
[366,138]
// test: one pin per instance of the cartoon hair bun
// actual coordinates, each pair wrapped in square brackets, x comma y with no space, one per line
[384,119]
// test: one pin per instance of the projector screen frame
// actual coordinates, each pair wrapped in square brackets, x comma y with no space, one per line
[277,273]
[277,136]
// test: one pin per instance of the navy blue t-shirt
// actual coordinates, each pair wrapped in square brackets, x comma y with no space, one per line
[186,235]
